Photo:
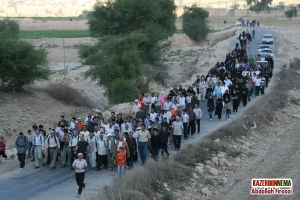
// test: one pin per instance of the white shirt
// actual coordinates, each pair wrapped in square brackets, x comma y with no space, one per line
[214,79]
[182,101]
[188,99]
[72,125]
[223,89]
[227,82]
[153,99]
[167,105]
[198,112]
[101,147]
[86,134]
[185,118]
[73,141]
[109,130]
[153,116]
[79,164]
[38,141]
[257,81]
[169,115]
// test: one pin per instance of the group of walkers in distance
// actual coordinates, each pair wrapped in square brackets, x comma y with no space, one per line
[156,122]
[249,22]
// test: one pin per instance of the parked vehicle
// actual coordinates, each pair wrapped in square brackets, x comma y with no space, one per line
[267,39]
[269,51]
[238,22]
[264,46]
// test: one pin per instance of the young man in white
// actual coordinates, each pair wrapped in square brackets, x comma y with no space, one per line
[92,145]
[80,165]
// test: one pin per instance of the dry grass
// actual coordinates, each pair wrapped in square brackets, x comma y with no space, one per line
[63,92]
[143,183]
[199,152]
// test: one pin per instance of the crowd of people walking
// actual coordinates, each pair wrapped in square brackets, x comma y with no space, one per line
[156,122]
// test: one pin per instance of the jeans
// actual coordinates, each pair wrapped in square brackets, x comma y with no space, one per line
[143,147]
[177,141]
[29,149]
[227,116]
[164,147]
[130,160]
[79,177]
[257,90]
[2,153]
[210,115]
[155,152]
[254,90]
[185,130]
[120,170]
[21,157]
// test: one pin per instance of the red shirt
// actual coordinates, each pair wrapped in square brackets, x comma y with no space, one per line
[121,158]
[2,146]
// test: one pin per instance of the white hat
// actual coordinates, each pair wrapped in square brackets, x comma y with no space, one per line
[78,118]
[80,154]
[109,134]
[162,92]
[136,100]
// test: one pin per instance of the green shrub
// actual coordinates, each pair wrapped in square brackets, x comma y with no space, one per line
[194,22]
[9,29]
[121,91]
[168,196]
[21,64]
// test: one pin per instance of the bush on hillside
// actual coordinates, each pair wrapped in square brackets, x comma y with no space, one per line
[292,12]
[194,22]
[68,95]
[9,29]
[21,64]
[121,91]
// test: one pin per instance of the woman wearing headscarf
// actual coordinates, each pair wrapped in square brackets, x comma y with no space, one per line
[235,101]
[219,107]
[210,106]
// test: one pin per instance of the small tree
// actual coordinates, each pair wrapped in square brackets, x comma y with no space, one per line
[21,64]
[121,91]
[9,29]
[292,12]
[194,22]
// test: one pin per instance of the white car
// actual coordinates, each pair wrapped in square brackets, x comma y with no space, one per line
[238,23]
[267,39]
[266,51]
[264,46]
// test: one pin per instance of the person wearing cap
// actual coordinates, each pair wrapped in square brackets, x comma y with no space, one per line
[80,165]
[52,148]
[144,140]
[62,119]
[135,108]
[21,145]
[178,131]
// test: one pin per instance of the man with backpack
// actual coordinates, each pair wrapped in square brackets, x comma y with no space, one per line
[52,146]
[38,146]
[22,145]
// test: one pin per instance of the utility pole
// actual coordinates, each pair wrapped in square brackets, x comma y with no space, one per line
[218,16]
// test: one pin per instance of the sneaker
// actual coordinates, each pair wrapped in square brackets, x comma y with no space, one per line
[210,119]
[78,195]
[229,119]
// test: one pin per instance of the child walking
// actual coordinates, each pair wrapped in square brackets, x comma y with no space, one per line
[121,161]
